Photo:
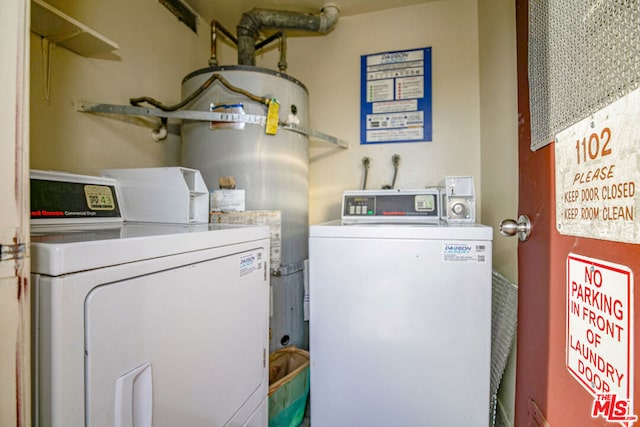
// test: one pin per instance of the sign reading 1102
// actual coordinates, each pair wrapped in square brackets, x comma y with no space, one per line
[395,97]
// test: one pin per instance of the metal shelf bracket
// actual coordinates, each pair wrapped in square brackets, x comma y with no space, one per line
[91,107]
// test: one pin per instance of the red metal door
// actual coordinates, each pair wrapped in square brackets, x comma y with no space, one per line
[546,392]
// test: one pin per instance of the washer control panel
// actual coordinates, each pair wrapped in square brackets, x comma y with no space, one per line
[418,206]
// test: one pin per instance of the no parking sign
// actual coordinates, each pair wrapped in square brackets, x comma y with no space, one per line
[600,326]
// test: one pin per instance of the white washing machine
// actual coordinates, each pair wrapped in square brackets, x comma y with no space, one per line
[141,324]
[400,324]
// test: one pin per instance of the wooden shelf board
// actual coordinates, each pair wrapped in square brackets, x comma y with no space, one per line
[63,30]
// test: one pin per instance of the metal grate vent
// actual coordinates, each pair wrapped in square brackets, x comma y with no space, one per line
[504,317]
[583,55]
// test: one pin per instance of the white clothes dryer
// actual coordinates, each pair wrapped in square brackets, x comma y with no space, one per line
[141,324]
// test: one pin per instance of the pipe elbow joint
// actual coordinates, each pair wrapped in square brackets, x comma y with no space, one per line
[160,133]
[328,17]
[248,26]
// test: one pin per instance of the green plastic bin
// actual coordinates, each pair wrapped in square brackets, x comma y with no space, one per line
[288,386]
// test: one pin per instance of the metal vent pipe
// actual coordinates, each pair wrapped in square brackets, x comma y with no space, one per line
[256,19]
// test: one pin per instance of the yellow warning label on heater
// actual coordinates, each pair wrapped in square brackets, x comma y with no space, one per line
[272,117]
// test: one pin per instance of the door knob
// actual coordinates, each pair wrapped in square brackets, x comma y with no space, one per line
[522,228]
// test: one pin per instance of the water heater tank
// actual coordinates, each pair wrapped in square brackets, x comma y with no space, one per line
[272,169]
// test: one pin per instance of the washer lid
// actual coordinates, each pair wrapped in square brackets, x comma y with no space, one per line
[57,250]
[439,231]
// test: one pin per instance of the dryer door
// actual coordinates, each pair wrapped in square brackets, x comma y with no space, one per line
[181,347]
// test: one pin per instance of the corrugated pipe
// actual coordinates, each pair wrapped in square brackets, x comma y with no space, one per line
[256,19]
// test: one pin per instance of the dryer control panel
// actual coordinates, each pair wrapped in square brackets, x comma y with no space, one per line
[418,206]
[65,198]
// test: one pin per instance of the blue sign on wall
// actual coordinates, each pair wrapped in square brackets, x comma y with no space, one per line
[395,92]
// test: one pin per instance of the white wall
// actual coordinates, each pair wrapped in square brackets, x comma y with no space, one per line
[330,68]
[499,142]
[499,125]
[156,52]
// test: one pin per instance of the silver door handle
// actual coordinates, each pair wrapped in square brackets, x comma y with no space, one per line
[509,227]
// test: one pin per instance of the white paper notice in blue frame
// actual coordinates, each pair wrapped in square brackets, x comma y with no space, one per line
[395,97]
